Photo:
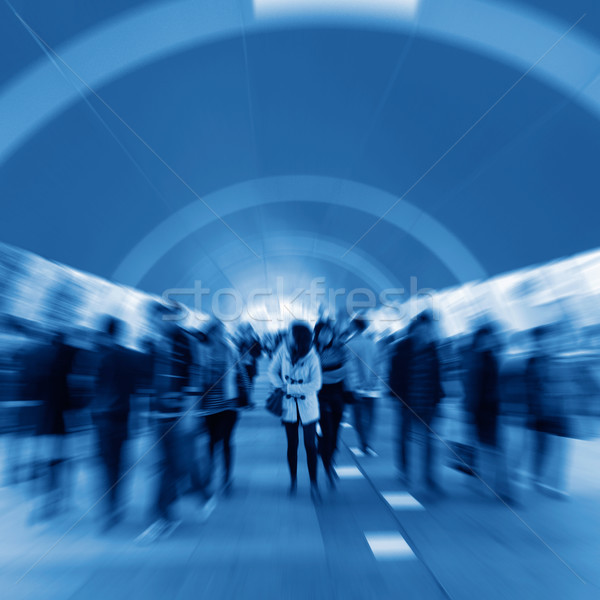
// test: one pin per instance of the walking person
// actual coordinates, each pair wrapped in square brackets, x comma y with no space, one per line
[116,382]
[332,355]
[296,370]
[415,380]
[226,389]
[483,408]
[250,350]
[171,378]
[363,380]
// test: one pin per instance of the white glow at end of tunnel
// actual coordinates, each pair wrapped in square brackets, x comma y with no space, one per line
[399,9]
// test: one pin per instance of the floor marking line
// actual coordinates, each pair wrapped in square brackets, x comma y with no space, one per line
[349,472]
[402,501]
[389,545]
[394,513]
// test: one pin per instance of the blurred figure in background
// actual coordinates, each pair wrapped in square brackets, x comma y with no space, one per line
[23,372]
[116,382]
[250,349]
[226,387]
[547,389]
[53,388]
[332,354]
[415,379]
[296,370]
[362,379]
[195,429]
[483,408]
[171,377]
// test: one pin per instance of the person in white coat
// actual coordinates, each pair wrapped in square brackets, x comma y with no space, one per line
[296,370]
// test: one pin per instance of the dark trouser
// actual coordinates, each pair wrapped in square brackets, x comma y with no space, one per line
[251,370]
[51,476]
[417,426]
[220,429]
[331,404]
[310,445]
[172,465]
[364,413]
[112,433]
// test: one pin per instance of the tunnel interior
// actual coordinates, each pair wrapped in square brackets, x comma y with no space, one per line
[306,110]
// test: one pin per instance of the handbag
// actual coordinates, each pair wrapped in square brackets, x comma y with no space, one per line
[274,402]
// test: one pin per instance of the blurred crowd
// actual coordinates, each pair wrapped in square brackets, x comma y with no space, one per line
[499,408]
[185,385]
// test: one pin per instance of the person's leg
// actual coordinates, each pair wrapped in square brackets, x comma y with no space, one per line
[166,490]
[188,463]
[202,463]
[212,426]
[486,480]
[428,441]
[53,467]
[310,445]
[229,420]
[503,484]
[369,419]
[404,441]
[337,413]
[359,424]
[500,462]
[198,465]
[49,488]
[291,432]
[119,437]
[327,435]
[104,455]
[111,436]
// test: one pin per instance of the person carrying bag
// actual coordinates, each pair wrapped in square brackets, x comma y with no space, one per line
[296,371]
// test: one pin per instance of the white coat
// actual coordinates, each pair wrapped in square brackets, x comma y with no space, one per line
[298,397]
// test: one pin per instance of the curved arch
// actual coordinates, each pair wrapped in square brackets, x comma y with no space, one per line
[441,242]
[508,33]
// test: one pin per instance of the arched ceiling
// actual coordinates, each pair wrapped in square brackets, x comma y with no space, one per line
[481,118]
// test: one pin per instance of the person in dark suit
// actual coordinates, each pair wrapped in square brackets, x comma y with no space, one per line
[415,381]
[483,400]
[171,379]
[116,382]
[483,407]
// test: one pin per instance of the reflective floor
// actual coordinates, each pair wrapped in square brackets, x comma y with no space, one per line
[370,538]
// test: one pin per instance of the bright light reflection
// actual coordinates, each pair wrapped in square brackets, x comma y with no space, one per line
[401,9]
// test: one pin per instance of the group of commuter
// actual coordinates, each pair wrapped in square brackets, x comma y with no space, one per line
[197,381]
[417,381]
[320,370]
[194,382]
[324,370]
